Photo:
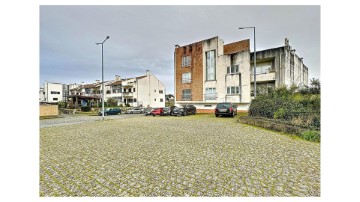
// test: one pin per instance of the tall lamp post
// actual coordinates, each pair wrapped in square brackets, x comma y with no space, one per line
[102,73]
[254,57]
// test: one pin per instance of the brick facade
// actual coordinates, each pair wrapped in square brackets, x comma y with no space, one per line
[196,69]
[237,47]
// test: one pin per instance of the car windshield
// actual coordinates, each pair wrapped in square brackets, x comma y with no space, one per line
[223,105]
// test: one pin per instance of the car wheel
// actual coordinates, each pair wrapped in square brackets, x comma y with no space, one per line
[106,114]
[184,113]
[217,115]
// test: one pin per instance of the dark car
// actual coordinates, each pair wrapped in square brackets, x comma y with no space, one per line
[110,111]
[184,110]
[168,110]
[226,108]
[157,111]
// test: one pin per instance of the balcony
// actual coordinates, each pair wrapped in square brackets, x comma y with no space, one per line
[128,94]
[210,96]
[264,77]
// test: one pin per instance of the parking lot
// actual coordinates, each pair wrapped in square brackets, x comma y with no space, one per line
[197,155]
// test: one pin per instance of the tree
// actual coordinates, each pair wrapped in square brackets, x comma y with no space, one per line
[315,86]
[112,102]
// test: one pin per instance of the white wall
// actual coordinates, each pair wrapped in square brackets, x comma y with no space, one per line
[56,87]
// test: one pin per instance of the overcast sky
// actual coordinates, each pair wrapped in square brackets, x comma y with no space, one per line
[143,37]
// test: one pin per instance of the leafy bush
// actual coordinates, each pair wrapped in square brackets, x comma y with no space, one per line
[311,135]
[290,105]
[85,108]
[112,102]
[62,104]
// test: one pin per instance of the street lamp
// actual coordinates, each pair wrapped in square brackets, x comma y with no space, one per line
[102,73]
[254,57]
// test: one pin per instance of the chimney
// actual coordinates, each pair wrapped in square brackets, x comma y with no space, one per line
[148,73]
[117,78]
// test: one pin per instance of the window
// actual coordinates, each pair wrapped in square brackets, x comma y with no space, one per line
[55,98]
[210,65]
[262,68]
[186,61]
[134,99]
[186,95]
[161,100]
[108,92]
[134,90]
[233,69]
[186,77]
[155,99]
[210,94]
[233,90]
[55,92]
[161,91]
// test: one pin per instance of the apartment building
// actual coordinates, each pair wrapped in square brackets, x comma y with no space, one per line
[277,67]
[142,91]
[52,92]
[209,72]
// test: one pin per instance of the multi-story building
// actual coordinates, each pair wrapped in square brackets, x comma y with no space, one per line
[53,92]
[278,67]
[142,91]
[209,72]
[41,95]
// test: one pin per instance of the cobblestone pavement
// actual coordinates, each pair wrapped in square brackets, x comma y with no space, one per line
[175,156]
[75,119]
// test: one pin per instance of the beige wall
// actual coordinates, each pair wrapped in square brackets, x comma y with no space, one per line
[49,110]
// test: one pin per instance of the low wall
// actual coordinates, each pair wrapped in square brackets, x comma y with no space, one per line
[49,110]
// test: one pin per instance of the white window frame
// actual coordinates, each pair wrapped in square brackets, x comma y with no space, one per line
[233,90]
[186,77]
[210,93]
[186,61]
[186,95]
[210,57]
[234,69]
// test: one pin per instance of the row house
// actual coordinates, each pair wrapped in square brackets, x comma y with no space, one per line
[142,91]
[210,72]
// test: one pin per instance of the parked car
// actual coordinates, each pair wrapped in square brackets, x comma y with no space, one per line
[226,108]
[135,111]
[110,111]
[148,111]
[157,111]
[168,110]
[184,110]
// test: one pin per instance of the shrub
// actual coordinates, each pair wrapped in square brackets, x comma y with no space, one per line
[311,135]
[85,108]
[288,105]
[62,104]
[112,102]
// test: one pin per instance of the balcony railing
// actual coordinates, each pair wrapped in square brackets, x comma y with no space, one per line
[128,94]
[210,96]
